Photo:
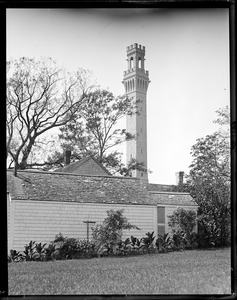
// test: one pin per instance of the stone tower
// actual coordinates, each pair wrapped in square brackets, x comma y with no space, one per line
[136,81]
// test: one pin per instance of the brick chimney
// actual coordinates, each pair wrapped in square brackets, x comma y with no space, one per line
[67,157]
[179,177]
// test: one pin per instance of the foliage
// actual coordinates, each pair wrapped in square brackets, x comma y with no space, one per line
[40,97]
[107,235]
[50,252]
[71,248]
[15,256]
[209,182]
[183,220]
[29,252]
[94,130]
[148,241]
[179,240]
[164,243]
[133,164]
[61,248]
[136,244]
[123,247]
[40,251]
[193,242]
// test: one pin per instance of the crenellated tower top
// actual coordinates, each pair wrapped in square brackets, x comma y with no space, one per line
[136,68]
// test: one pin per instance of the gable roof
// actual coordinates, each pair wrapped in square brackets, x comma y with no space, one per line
[87,166]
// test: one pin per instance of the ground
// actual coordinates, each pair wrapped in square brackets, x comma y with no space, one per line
[187,272]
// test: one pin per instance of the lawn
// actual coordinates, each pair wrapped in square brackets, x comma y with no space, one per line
[188,272]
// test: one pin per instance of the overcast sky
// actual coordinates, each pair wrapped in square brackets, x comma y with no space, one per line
[187,56]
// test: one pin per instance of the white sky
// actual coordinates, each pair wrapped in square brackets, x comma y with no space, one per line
[187,56]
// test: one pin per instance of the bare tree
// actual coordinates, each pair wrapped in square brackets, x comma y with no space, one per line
[40,97]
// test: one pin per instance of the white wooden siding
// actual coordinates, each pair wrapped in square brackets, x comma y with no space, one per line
[40,221]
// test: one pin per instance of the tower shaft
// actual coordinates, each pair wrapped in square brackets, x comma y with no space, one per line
[136,81]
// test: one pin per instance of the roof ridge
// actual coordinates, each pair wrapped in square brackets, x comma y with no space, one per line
[71,174]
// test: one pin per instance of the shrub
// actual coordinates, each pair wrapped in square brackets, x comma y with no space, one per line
[50,252]
[15,256]
[148,242]
[183,220]
[182,223]
[136,245]
[164,243]
[123,247]
[30,252]
[212,230]
[179,240]
[193,241]
[40,251]
[71,248]
[107,236]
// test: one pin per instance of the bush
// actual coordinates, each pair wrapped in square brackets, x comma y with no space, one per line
[30,252]
[71,248]
[148,242]
[182,223]
[40,251]
[61,248]
[15,256]
[164,243]
[123,247]
[50,252]
[179,240]
[107,236]
[135,245]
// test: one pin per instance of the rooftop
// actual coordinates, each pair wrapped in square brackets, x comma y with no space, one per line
[68,187]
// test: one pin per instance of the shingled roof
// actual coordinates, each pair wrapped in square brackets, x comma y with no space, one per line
[67,187]
[51,186]
[160,187]
[87,166]
[172,198]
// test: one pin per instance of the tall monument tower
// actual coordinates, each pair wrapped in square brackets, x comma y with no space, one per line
[136,81]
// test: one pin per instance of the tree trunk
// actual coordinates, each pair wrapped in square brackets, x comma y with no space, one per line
[26,153]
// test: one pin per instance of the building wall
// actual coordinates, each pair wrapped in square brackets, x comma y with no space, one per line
[41,221]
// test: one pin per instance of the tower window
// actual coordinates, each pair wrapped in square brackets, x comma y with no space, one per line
[139,62]
[131,62]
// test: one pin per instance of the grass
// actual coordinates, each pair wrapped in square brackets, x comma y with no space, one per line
[188,272]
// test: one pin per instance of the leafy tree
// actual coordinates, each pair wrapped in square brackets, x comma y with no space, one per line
[94,130]
[40,97]
[107,235]
[209,182]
